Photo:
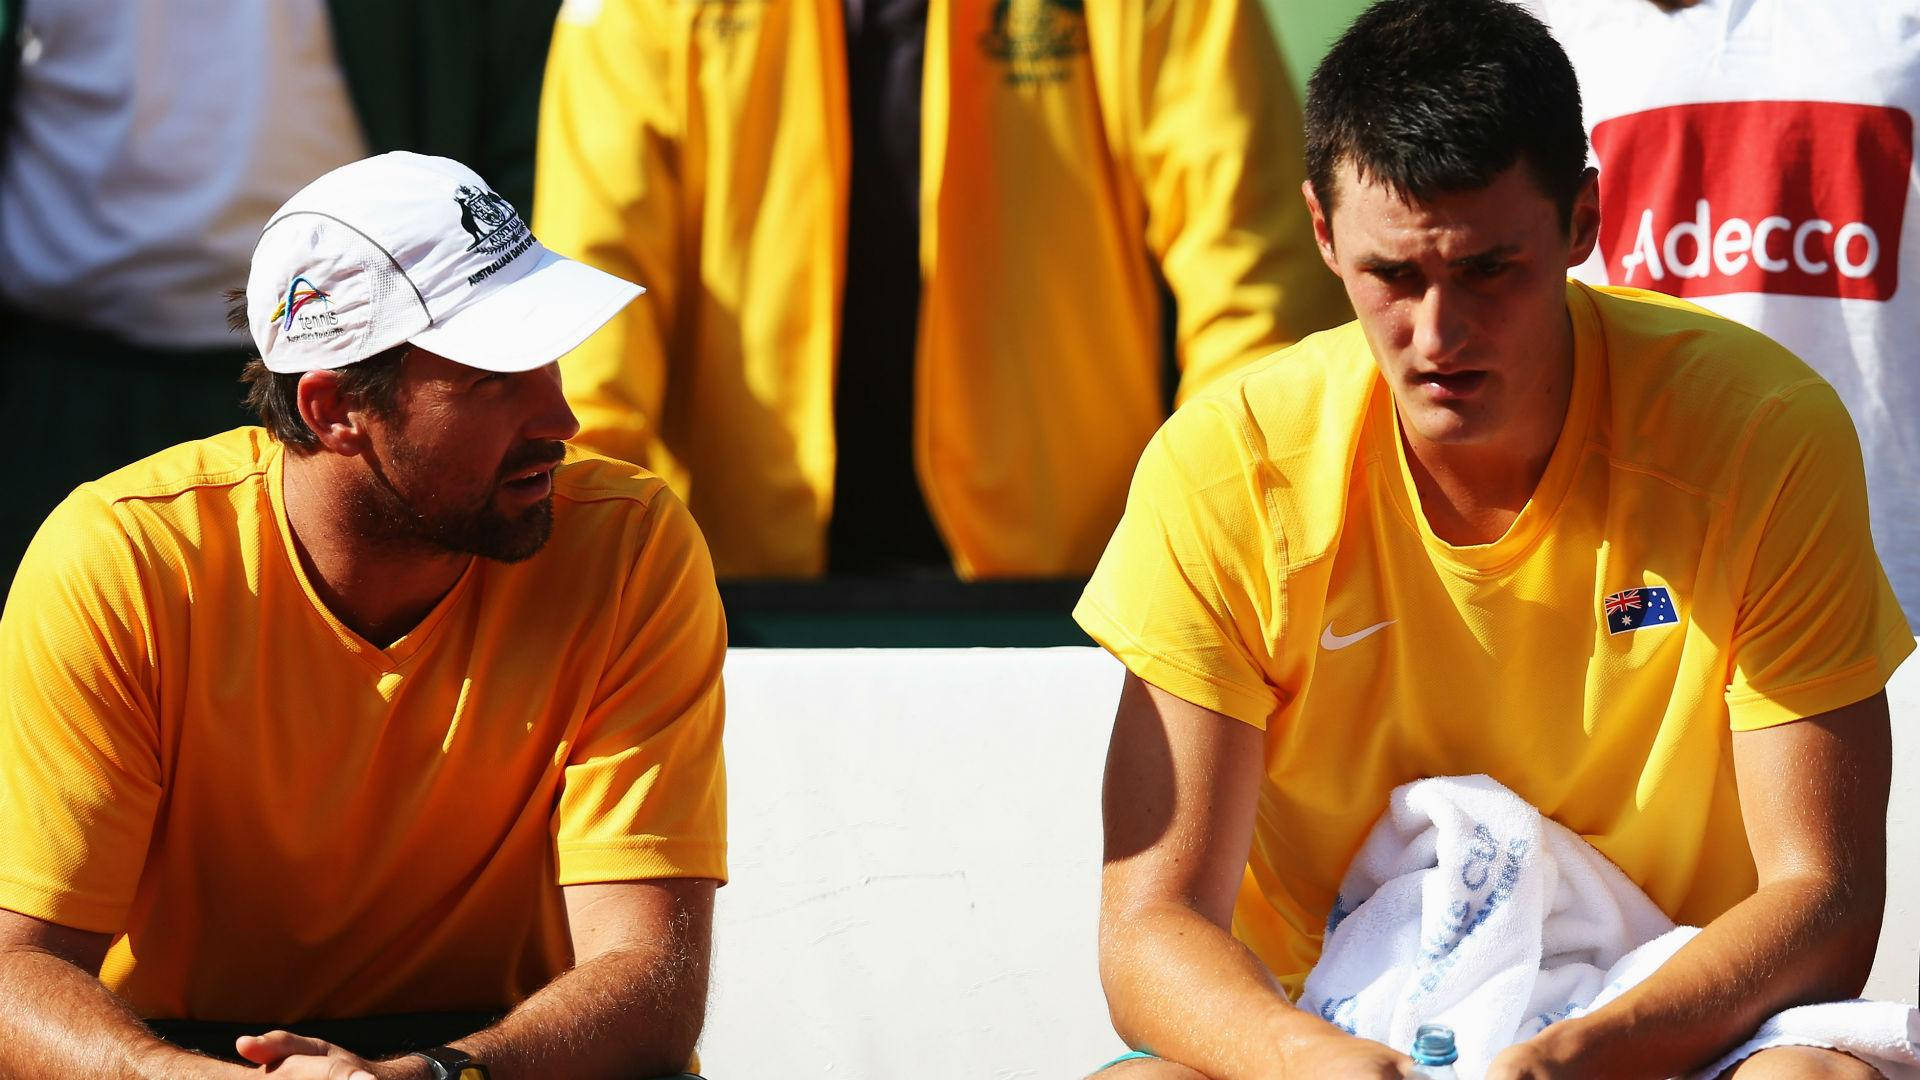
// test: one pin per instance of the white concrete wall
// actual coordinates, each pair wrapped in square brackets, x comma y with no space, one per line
[915,858]
[1896,967]
[915,851]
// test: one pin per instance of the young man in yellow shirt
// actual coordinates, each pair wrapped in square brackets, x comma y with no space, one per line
[1607,548]
[397,706]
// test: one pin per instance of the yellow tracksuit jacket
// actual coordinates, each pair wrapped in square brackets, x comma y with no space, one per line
[701,148]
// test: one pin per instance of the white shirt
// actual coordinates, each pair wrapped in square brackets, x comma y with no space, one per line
[152,139]
[1756,158]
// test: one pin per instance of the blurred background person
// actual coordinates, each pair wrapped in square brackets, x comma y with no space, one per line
[141,145]
[1756,158]
[906,260]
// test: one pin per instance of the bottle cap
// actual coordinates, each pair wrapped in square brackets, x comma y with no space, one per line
[1433,1045]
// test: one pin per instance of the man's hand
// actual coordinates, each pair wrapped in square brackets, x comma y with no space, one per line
[1543,1057]
[297,1057]
[1339,1056]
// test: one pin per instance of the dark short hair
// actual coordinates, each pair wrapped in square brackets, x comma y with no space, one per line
[275,396]
[1430,97]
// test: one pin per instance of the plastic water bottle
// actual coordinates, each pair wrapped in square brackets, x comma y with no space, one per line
[1433,1052]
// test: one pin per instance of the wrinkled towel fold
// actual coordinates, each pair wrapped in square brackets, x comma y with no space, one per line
[1465,906]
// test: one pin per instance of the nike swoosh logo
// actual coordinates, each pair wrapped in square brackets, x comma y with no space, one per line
[1333,642]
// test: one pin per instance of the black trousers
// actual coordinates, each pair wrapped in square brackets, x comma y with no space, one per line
[371,1037]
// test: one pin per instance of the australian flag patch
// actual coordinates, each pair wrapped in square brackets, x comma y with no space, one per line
[1635,608]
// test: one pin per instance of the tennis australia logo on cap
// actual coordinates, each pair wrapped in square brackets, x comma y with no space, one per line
[1805,198]
[306,311]
[487,217]
[495,227]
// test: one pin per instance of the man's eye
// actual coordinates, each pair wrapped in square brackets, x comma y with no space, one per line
[1486,268]
[1389,274]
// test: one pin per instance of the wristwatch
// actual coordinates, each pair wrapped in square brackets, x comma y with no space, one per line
[450,1064]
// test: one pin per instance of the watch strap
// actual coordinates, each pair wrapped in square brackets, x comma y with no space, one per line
[451,1064]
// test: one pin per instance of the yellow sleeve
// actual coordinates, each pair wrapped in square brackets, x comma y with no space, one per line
[645,793]
[607,193]
[1190,587]
[1214,137]
[80,777]
[1818,626]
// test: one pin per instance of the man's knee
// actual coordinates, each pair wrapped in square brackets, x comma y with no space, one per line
[1801,1063]
[1147,1069]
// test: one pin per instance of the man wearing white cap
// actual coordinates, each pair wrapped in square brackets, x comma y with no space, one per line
[395,722]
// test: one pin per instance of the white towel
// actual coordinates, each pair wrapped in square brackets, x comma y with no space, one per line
[1465,906]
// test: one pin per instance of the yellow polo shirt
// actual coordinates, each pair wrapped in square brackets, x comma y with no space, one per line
[280,820]
[1274,565]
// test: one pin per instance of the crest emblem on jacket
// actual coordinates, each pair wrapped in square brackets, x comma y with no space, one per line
[1036,40]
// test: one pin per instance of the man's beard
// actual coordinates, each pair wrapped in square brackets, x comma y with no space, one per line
[474,528]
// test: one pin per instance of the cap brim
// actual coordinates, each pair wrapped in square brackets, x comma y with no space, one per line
[531,321]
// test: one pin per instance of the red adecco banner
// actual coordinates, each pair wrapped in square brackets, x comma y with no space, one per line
[1798,197]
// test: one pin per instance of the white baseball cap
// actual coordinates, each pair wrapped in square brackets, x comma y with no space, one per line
[404,248]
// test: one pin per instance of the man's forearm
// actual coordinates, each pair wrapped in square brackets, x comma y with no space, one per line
[1792,942]
[59,1023]
[630,1012]
[1183,988]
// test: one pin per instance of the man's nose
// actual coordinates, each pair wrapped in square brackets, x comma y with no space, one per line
[1439,323]
[552,417]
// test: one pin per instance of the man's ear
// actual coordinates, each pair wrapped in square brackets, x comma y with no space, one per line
[1322,227]
[1583,226]
[336,419]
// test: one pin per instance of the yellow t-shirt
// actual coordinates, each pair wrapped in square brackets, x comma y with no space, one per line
[282,821]
[1274,565]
